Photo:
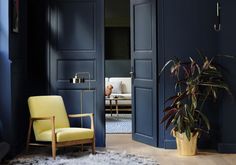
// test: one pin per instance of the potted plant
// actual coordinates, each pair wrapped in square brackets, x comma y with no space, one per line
[195,82]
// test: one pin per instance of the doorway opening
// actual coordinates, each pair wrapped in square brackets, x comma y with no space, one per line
[118,99]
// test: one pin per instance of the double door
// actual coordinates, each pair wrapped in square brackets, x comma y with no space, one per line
[77,45]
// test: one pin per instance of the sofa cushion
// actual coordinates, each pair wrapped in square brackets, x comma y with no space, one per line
[125,83]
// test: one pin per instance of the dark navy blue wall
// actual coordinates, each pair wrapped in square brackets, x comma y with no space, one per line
[227,40]
[13,84]
[5,83]
[117,68]
[184,26]
[19,86]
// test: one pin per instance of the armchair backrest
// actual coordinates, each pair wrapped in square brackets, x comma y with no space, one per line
[48,106]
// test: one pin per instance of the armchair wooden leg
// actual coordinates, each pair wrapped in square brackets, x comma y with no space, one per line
[54,150]
[93,147]
[53,139]
[29,133]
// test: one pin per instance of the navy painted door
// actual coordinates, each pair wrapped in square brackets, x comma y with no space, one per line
[143,64]
[76,45]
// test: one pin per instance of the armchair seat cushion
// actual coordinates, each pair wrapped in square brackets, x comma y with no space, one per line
[66,134]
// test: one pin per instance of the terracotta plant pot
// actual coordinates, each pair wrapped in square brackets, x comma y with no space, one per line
[184,146]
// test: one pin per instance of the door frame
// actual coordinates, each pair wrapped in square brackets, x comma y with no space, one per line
[160,59]
[160,62]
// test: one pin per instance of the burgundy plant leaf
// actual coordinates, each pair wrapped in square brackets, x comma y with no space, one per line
[171,98]
[169,114]
[182,95]
[186,71]
[167,109]
[169,121]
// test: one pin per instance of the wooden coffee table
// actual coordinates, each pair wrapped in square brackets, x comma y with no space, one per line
[116,99]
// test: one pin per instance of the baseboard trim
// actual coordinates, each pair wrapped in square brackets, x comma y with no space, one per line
[227,147]
[169,144]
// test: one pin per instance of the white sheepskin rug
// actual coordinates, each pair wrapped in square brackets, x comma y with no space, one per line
[82,158]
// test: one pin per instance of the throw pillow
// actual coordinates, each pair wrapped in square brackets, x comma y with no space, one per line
[116,87]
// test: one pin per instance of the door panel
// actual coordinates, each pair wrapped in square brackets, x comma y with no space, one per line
[76,45]
[143,64]
[142,26]
[76,66]
[144,69]
[80,30]
[144,112]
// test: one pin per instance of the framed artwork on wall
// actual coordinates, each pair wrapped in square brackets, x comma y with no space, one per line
[15,16]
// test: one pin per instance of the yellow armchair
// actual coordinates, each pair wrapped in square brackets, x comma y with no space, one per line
[51,124]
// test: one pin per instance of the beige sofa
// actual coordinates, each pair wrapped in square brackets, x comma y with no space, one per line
[121,89]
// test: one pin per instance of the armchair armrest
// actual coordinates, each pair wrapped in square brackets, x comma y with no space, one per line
[81,115]
[41,118]
[84,115]
[51,118]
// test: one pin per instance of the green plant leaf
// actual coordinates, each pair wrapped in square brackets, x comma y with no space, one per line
[179,124]
[225,55]
[212,72]
[214,93]
[166,64]
[198,69]
[191,118]
[194,101]
[223,86]
[210,63]
[205,119]
[188,133]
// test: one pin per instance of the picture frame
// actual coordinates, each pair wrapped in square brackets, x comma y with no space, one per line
[15,16]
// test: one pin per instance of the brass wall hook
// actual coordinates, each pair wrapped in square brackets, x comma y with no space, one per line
[217,26]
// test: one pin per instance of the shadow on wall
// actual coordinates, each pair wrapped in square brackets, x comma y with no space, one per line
[4,147]
[5,99]
[5,107]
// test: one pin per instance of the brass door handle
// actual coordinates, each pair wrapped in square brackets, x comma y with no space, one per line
[131,74]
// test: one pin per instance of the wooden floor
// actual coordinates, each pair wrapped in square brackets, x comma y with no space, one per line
[123,142]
